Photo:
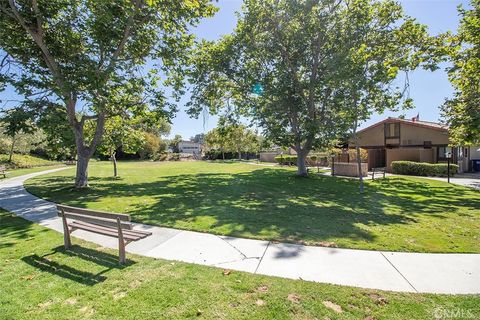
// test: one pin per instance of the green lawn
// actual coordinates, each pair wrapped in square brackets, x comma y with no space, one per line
[25,161]
[40,280]
[11,173]
[245,200]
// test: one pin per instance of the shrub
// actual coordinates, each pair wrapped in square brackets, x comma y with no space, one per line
[422,168]
[174,157]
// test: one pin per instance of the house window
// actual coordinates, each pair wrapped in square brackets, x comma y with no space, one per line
[442,153]
[392,130]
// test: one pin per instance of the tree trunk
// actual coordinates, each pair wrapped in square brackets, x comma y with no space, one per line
[239,155]
[301,165]
[223,155]
[11,149]
[359,159]
[114,160]
[81,178]
[84,151]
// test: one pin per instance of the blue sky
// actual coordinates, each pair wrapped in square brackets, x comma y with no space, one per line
[428,89]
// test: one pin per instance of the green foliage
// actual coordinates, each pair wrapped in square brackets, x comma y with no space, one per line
[307,72]
[151,146]
[423,168]
[92,56]
[462,112]
[173,143]
[233,138]
[120,133]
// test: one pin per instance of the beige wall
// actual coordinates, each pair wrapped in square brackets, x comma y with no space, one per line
[349,169]
[414,135]
[475,152]
[372,137]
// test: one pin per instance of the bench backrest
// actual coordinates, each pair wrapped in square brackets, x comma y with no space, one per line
[107,219]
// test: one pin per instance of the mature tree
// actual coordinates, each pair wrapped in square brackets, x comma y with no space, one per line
[173,144]
[198,138]
[15,121]
[85,54]
[216,139]
[120,133]
[377,42]
[277,67]
[462,112]
[235,138]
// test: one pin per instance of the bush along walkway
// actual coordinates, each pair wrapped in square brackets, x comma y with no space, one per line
[394,271]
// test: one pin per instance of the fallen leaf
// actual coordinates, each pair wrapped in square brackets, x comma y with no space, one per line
[369,318]
[293,297]
[238,281]
[29,277]
[199,312]
[234,304]
[226,272]
[335,307]
[260,302]
[262,289]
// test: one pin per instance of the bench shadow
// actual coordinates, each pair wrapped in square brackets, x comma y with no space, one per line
[107,261]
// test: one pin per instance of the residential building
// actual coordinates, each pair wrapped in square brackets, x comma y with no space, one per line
[411,139]
[190,147]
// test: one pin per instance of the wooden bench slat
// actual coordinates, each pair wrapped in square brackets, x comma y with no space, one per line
[97,220]
[101,214]
[105,223]
[101,230]
[135,233]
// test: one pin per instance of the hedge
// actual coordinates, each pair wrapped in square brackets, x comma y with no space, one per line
[291,159]
[423,168]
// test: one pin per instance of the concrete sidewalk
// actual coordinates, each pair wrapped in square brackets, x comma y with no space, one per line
[395,271]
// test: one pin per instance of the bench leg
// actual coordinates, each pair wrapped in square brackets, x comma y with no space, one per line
[66,232]
[121,245]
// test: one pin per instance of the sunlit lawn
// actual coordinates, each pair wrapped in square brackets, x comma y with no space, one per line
[40,280]
[245,200]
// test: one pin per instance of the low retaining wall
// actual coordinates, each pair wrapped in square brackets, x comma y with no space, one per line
[349,169]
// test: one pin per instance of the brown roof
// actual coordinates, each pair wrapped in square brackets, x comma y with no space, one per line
[419,123]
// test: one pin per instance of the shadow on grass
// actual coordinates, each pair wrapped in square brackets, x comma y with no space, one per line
[47,264]
[271,203]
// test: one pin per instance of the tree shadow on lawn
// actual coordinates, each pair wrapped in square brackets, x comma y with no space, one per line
[274,204]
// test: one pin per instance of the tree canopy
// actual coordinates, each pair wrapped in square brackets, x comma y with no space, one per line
[89,58]
[462,111]
[302,69]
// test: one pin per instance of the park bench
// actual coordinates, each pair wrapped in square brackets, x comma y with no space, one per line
[382,170]
[114,225]
[3,171]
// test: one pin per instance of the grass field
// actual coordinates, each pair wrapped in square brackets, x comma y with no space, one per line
[20,161]
[244,200]
[40,280]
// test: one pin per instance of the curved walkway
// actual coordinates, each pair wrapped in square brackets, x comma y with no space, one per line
[395,271]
